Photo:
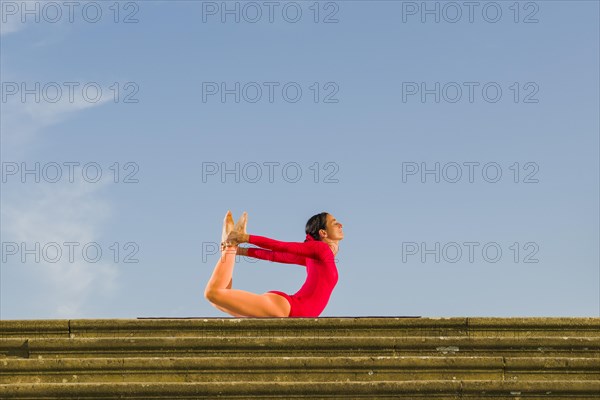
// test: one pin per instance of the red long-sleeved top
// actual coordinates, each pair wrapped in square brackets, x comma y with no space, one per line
[322,275]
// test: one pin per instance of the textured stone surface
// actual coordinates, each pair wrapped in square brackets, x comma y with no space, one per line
[334,358]
[338,389]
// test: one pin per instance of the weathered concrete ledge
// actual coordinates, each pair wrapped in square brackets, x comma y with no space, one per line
[290,346]
[302,389]
[296,369]
[352,326]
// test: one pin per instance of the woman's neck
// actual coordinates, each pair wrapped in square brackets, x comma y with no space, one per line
[333,245]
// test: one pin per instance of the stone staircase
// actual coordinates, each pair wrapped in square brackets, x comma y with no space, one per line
[294,358]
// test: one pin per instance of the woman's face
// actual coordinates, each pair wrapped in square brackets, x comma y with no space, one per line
[334,228]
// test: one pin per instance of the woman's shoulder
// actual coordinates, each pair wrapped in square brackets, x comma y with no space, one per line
[323,248]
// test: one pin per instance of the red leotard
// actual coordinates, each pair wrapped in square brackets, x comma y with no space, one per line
[322,275]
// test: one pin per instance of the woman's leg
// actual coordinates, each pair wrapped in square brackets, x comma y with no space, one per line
[240,302]
[223,308]
[228,226]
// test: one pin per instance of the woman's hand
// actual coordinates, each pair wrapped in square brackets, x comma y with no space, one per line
[242,251]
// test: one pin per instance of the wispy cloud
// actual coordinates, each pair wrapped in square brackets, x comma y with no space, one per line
[69,212]
[23,122]
[10,25]
[61,212]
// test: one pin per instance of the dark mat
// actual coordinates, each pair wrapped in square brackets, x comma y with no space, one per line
[385,316]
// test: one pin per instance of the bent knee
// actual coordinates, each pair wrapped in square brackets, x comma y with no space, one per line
[211,294]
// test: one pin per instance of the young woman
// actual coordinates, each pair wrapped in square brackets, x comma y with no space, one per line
[316,253]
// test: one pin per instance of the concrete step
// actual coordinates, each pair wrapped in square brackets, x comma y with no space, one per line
[296,346]
[430,389]
[298,327]
[296,369]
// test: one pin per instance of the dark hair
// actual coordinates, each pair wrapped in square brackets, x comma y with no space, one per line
[316,223]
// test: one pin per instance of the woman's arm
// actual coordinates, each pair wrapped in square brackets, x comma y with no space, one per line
[311,249]
[273,256]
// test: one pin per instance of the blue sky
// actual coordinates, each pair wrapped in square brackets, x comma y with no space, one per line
[367,121]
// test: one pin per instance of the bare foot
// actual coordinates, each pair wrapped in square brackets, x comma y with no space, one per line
[238,234]
[240,225]
[228,226]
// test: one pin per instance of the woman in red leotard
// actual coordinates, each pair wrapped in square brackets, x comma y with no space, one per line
[316,253]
